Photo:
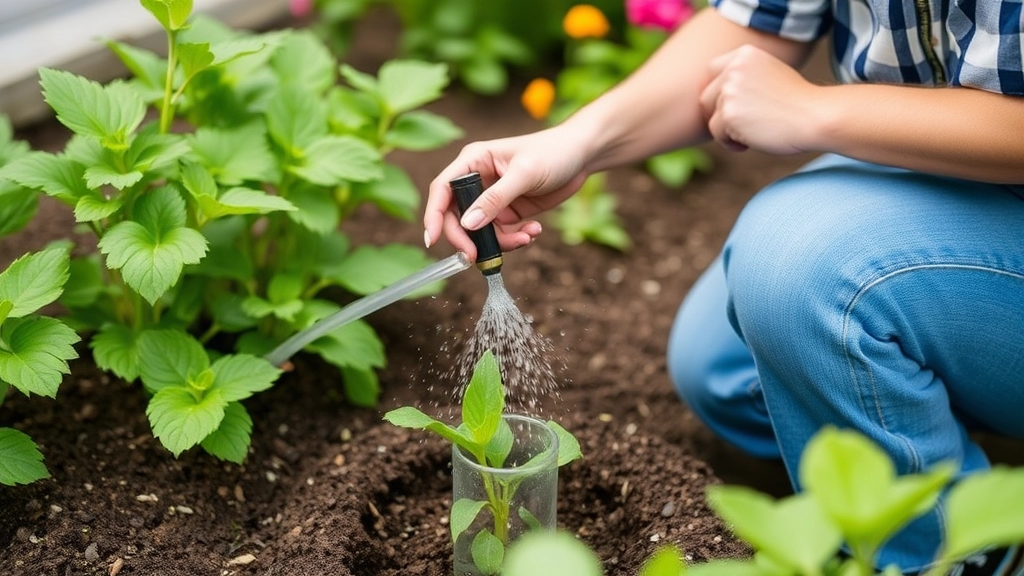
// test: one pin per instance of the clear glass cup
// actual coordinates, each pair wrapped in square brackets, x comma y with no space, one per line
[509,500]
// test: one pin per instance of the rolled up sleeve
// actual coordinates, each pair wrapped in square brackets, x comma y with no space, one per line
[800,20]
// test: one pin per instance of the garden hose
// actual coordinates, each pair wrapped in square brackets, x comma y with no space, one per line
[488,252]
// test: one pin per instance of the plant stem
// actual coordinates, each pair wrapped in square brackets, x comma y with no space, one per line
[167,108]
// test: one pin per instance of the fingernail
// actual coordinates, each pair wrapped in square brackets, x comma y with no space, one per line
[426,239]
[473,219]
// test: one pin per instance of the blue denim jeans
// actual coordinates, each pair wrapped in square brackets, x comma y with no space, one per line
[869,298]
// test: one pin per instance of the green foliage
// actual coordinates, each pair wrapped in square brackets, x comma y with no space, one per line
[589,215]
[479,41]
[34,349]
[228,224]
[852,496]
[486,437]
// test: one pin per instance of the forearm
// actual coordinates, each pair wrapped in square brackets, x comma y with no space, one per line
[657,108]
[959,132]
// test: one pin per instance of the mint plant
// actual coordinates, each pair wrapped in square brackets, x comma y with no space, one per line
[219,220]
[487,437]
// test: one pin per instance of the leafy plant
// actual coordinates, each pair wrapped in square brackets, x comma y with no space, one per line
[852,495]
[589,215]
[488,438]
[34,350]
[480,41]
[220,218]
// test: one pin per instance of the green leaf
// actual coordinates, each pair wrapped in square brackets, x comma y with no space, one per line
[115,348]
[108,113]
[315,210]
[230,441]
[85,283]
[181,421]
[35,280]
[172,14]
[228,313]
[152,151]
[985,509]
[223,261]
[240,376]
[145,66]
[735,568]
[257,307]
[361,386]
[9,147]
[368,269]
[409,417]
[808,540]
[353,345]
[529,519]
[231,49]
[57,176]
[151,251]
[546,554]
[395,193]
[500,445]
[95,206]
[239,201]
[484,400]
[677,167]
[464,512]
[568,445]
[234,156]
[105,174]
[359,80]
[334,160]
[484,75]
[420,130]
[855,483]
[303,60]
[37,352]
[169,358]
[295,119]
[407,84]
[194,58]
[20,459]
[488,552]
[667,561]
[17,207]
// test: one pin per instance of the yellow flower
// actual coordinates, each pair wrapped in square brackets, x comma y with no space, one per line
[585,21]
[538,97]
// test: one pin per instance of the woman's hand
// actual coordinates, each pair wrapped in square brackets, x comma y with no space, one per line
[754,100]
[523,176]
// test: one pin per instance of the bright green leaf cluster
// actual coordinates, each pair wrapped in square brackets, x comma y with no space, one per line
[488,438]
[590,215]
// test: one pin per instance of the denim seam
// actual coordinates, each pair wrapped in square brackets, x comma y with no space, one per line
[881,277]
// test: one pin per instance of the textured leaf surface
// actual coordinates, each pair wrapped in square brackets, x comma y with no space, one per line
[39,348]
[57,176]
[484,400]
[464,512]
[115,348]
[169,358]
[368,268]
[35,280]
[20,459]
[108,113]
[234,156]
[230,441]
[152,250]
[241,375]
[408,84]
[354,345]
[334,160]
[180,421]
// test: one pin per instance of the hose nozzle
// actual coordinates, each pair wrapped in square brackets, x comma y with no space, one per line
[488,252]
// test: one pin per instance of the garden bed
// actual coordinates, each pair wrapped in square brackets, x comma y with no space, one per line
[331,489]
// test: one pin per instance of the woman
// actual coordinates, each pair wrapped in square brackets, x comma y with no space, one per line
[881,288]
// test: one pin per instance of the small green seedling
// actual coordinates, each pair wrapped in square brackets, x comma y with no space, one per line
[485,436]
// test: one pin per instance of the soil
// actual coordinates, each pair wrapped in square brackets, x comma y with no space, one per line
[328,489]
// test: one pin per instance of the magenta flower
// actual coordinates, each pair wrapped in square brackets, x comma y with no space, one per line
[663,14]
[300,8]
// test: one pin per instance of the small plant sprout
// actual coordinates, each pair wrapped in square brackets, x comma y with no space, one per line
[489,440]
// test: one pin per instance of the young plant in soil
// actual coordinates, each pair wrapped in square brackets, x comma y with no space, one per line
[852,496]
[488,439]
[220,218]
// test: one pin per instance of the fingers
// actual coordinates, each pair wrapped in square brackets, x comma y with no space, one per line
[507,188]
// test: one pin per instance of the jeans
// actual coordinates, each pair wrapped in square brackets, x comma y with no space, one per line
[869,298]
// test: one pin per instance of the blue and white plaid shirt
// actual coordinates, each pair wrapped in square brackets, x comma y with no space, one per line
[976,43]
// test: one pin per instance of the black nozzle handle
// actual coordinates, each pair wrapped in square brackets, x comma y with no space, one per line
[467,189]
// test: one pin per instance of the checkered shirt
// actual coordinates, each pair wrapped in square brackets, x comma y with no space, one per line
[976,43]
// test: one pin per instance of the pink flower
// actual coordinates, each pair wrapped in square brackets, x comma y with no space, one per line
[300,8]
[663,14]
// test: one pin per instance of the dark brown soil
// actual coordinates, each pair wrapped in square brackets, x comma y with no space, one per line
[329,489]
